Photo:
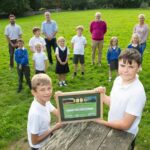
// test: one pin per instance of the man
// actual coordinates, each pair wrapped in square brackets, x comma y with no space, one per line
[12,32]
[98,29]
[49,29]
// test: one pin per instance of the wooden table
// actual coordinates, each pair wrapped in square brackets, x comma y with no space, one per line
[88,136]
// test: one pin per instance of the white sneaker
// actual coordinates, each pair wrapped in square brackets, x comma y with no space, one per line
[60,84]
[109,79]
[64,83]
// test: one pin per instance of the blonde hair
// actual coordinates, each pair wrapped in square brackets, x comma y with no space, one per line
[98,14]
[141,16]
[135,35]
[111,40]
[80,27]
[60,38]
[47,12]
[40,80]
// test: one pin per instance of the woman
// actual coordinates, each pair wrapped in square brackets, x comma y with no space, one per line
[142,30]
[97,28]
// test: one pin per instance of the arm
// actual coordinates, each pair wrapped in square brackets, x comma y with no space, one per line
[122,124]
[46,64]
[108,56]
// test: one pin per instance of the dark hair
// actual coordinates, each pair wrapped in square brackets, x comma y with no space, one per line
[36,29]
[129,55]
[20,40]
[12,15]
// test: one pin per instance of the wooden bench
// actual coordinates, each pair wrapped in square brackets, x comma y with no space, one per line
[88,136]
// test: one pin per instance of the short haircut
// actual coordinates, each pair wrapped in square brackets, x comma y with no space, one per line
[80,27]
[141,16]
[47,12]
[36,29]
[40,79]
[129,55]
[38,44]
[60,38]
[20,40]
[12,15]
[98,14]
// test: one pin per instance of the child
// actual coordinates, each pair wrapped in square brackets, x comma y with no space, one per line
[21,57]
[62,67]
[127,98]
[112,56]
[135,43]
[78,44]
[40,59]
[36,39]
[39,118]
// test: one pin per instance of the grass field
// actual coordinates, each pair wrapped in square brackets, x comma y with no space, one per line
[79,110]
[14,107]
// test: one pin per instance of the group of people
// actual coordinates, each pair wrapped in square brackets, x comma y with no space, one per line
[127,95]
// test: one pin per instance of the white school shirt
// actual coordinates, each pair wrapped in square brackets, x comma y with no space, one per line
[127,99]
[62,49]
[34,40]
[13,31]
[39,59]
[39,120]
[79,43]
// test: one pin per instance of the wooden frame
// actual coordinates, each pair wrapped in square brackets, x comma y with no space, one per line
[79,106]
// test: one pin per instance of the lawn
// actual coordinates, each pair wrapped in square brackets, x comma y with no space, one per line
[14,107]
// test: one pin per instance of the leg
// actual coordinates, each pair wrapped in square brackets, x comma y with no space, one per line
[11,53]
[100,47]
[20,78]
[82,69]
[48,48]
[60,80]
[82,63]
[54,44]
[26,72]
[110,76]
[94,46]
[75,68]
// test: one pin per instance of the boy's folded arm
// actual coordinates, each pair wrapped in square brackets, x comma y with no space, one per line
[122,124]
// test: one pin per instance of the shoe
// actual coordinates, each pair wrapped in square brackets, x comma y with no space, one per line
[82,73]
[74,74]
[109,79]
[19,90]
[99,64]
[60,83]
[64,83]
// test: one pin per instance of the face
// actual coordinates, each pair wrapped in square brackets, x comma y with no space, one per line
[141,20]
[61,42]
[97,17]
[12,20]
[135,40]
[114,42]
[38,48]
[37,33]
[128,71]
[47,17]
[20,44]
[43,93]
[79,31]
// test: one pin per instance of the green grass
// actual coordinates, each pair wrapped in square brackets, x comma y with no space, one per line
[14,107]
[76,110]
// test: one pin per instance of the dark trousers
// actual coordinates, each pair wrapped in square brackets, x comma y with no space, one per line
[25,70]
[132,145]
[49,45]
[34,148]
[11,53]
[37,71]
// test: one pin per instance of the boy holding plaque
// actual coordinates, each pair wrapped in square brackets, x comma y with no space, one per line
[127,97]
[39,117]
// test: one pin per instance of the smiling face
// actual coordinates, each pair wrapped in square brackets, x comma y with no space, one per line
[42,93]
[61,42]
[128,71]
[12,20]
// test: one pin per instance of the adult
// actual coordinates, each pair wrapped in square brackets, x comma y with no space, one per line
[12,32]
[49,29]
[98,29]
[142,30]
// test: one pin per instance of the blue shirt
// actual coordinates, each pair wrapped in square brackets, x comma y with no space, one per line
[113,53]
[49,27]
[138,47]
[21,57]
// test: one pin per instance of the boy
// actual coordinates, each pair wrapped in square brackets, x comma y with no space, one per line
[21,57]
[127,98]
[36,39]
[40,59]
[78,44]
[39,117]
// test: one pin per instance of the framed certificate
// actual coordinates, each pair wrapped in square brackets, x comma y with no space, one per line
[79,106]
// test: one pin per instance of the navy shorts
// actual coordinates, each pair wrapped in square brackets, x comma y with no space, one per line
[78,58]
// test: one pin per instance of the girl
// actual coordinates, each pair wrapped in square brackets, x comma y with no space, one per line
[135,43]
[62,61]
[112,56]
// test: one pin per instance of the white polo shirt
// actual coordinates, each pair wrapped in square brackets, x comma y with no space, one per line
[79,43]
[129,99]
[39,119]
[39,59]
[13,31]
[34,40]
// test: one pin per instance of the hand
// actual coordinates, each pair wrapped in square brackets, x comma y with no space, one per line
[57,125]
[49,38]
[58,93]
[20,67]
[108,64]
[100,121]
[100,89]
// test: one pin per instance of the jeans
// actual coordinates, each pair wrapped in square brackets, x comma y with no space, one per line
[143,46]
[49,45]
